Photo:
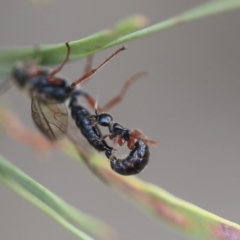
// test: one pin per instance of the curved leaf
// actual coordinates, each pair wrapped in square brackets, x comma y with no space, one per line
[123,32]
[176,213]
[51,204]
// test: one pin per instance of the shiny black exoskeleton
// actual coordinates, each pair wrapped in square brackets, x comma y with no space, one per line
[134,163]
[138,157]
[48,109]
[49,113]
[59,91]
[92,133]
[49,93]
[115,129]
[25,78]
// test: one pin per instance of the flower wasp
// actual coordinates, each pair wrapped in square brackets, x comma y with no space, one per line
[48,110]
[49,93]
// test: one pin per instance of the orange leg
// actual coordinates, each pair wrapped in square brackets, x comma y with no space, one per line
[119,97]
[88,66]
[93,71]
[88,72]
[50,77]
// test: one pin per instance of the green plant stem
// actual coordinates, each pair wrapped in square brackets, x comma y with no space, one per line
[202,11]
[45,208]
[123,32]
[93,226]
[182,216]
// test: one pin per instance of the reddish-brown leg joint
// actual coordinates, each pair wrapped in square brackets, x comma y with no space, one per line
[50,77]
[93,71]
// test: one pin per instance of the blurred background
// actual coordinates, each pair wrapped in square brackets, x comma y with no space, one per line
[190,103]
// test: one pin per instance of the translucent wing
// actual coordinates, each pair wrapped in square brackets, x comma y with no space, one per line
[50,118]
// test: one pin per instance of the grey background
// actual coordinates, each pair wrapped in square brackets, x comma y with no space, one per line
[190,103]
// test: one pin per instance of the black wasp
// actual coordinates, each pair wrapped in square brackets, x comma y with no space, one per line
[139,155]
[49,93]
[49,112]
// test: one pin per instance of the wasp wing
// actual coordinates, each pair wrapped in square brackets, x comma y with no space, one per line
[50,118]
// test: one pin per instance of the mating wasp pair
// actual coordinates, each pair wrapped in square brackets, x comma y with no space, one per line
[49,95]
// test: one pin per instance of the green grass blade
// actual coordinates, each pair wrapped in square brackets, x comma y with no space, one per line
[202,11]
[123,32]
[176,213]
[89,224]
[45,208]
[55,53]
